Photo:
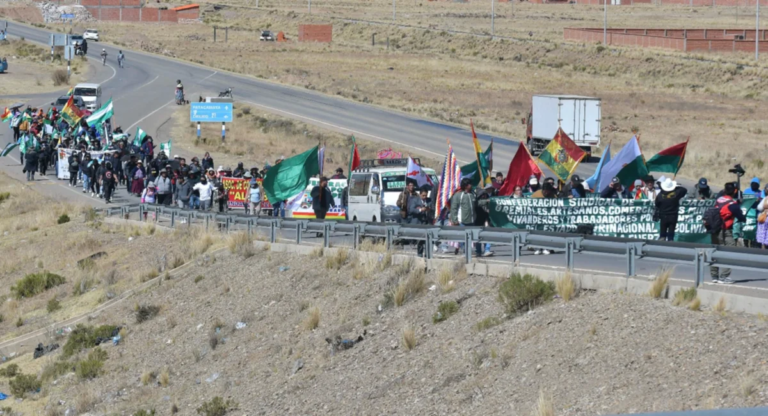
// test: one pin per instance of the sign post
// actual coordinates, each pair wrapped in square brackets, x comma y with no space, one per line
[223,132]
[198,130]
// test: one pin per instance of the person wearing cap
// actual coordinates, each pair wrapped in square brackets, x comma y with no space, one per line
[253,198]
[649,188]
[239,170]
[703,191]
[339,174]
[729,209]
[667,208]
[533,185]
[419,213]
[614,190]
[149,194]
[207,162]
[464,210]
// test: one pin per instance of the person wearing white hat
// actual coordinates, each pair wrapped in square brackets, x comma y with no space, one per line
[533,184]
[667,207]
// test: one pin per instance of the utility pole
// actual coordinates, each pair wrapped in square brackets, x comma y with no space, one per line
[605,22]
[493,18]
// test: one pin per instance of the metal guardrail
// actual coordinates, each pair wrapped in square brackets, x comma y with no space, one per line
[757,411]
[701,256]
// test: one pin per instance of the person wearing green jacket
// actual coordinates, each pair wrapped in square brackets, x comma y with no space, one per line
[463,209]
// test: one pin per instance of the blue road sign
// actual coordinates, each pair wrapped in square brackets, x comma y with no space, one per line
[67,16]
[210,112]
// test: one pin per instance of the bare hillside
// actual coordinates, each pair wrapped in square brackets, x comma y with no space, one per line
[601,353]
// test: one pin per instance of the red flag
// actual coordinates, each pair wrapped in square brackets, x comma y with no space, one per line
[521,168]
[354,157]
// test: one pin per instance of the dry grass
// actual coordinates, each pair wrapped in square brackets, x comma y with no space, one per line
[684,297]
[410,287]
[660,282]
[747,385]
[164,378]
[544,405]
[147,377]
[721,305]
[312,321]
[316,253]
[371,245]
[33,72]
[448,276]
[409,338]
[337,260]
[565,286]
[241,244]
[362,268]
[695,304]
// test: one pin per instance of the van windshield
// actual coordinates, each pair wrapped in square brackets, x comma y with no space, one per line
[62,100]
[85,92]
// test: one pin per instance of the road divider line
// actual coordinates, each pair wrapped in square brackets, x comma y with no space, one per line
[150,114]
[214,73]
[136,89]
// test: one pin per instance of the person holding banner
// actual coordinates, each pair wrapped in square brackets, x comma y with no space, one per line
[667,208]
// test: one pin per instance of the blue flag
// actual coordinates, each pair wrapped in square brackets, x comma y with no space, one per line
[594,181]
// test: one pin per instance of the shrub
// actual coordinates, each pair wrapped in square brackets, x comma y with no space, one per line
[337,260]
[59,77]
[565,286]
[410,288]
[164,377]
[487,323]
[90,367]
[55,369]
[444,311]
[63,219]
[312,320]
[409,338]
[84,337]
[23,384]
[521,293]
[4,196]
[146,312]
[199,278]
[217,407]
[241,244]
[659,284]
[19,322]
[11,371]
[684,296]
[53,305]
[32,284]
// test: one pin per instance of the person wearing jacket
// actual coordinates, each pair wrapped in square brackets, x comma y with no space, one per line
[463,207]
[137,178]
[614,190]
[239,170]
[402,199]
[164,188]
[419,213]
[108,182]
[207,162]
[93,174]
[730,212]
[322,198]
[183,192]
[148,150]
[667,208]
[74,168]
[483,214]
[30,164]
[762,228]
[84,164]
[754,188]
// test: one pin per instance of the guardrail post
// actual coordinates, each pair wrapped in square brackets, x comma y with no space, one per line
[468,246]
[273,231]
[228,221]
[631,254]
[298,232]
[389,237]
[250,227]
[517,244]
[326,234]
[141,212]
[356,236]
[570,244]
[700,263]
[207,221]
[428,245]
[189,219]
[173,218]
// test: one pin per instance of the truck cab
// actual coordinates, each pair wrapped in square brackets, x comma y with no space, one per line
[91,95]
[374,188]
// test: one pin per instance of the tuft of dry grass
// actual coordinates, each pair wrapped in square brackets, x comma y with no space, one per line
[721,305]
[59,77]
[316,253]
[361,268]
[695,304]
[337,260]
[544,405]
[371,245]
[659,283]
[312,321]
[241,244]
[409,338]
[410,287]
[565,286]
[684,297]
[385,260]
[164,378]
[147,377]
[747,385]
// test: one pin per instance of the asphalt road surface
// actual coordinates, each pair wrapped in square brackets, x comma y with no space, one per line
[143,95]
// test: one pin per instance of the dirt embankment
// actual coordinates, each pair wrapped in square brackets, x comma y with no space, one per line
[239,328]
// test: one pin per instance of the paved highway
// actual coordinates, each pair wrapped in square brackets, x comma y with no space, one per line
[143,96]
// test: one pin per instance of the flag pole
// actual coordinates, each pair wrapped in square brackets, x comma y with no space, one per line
[477,157]
[680,163]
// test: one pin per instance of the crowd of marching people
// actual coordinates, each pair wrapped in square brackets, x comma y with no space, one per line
[157,178]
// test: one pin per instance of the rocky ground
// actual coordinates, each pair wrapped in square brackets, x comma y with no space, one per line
[602,353]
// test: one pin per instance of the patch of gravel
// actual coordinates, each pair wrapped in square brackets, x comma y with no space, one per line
[602,353]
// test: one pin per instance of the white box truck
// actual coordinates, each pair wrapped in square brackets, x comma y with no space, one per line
[578,116]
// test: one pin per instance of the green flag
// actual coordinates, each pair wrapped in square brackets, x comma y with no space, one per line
[166,147]
[101,115]
[28,143]
[140,136]
[486,161]
[291,176]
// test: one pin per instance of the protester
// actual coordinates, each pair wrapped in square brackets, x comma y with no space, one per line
[74,168]
[547,191]
[703,191]
[207,162]
[205,189]
[482,215]
[402,199]
[533,185]
[164,189]
[108,183]
[518,193]
[762,220]
[137,178]
[149,194]
[254,199]
[498,180]
[30,165]
[339,174]
[667,208]
[463,209]
[614,190]
[322,198]
[183,192]
[239,171]
[754,188]
[719,222]
[419,213]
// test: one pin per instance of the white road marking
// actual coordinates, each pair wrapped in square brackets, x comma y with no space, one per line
[150,114]
[216,72]
[135,89]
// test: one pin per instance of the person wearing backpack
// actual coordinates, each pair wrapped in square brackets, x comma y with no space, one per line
[719,221]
